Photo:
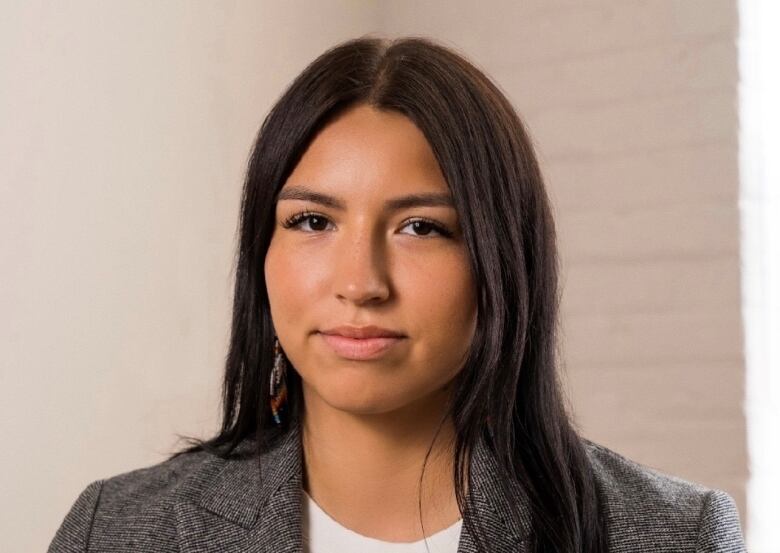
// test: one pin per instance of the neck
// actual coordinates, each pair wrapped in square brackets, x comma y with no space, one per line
[364,470]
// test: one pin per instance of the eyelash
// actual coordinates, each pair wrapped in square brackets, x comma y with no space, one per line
[297,218]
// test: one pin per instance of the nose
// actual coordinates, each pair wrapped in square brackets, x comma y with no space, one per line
[360,274]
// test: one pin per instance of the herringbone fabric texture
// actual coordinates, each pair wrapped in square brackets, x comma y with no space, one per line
[198,503]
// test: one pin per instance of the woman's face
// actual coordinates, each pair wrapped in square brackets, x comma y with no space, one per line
[351,247]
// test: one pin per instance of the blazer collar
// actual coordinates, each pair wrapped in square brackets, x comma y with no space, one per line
[241,505]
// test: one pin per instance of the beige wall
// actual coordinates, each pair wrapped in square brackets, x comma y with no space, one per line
[125,131]
[124,137]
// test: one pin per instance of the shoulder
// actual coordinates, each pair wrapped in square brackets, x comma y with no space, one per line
[650,510]
[124,510]
[135,491]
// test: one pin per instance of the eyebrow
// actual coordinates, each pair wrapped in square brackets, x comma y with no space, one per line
[300,192]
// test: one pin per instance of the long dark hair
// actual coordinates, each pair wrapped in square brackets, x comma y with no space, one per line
[510,376]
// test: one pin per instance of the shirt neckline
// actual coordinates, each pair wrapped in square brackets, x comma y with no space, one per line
[442,539]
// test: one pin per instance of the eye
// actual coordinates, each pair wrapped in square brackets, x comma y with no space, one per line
[424,227]
[315,220]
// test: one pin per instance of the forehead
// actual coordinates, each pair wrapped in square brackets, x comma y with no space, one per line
[368,151]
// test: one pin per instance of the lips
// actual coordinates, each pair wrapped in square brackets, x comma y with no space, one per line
[360,343]
[362,332]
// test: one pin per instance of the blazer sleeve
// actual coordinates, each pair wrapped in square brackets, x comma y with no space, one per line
[719,530]
[73,534]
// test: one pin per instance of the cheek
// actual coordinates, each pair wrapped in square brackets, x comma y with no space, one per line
[443,301]
[273,269]
[282,278]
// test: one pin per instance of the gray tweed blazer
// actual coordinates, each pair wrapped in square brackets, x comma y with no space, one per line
[199,503]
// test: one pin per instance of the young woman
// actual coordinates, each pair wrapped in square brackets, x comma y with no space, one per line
[391,381]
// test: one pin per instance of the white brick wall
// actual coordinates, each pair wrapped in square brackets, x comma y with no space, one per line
[632,106]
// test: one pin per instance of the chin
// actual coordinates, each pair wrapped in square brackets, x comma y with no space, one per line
[359,396]
[363,409]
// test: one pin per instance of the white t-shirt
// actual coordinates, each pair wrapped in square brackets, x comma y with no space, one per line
[322,534]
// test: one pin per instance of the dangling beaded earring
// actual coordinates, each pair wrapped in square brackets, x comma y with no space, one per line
[278,393]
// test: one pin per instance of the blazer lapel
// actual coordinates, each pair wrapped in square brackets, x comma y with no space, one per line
[231,506]
[504,520]
[245,506]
